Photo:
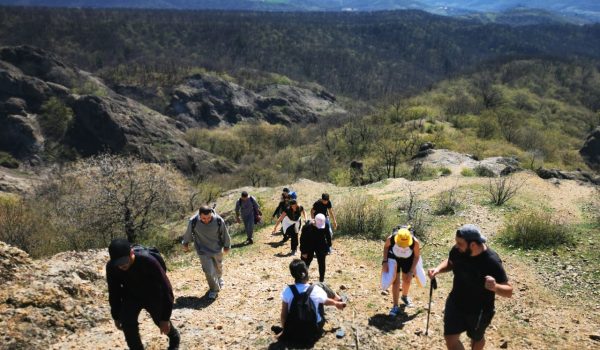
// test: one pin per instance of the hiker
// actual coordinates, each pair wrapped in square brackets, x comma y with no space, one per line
[478,277]
[303,322]
[314,241]
[405,248]
[290,194]
[325,207]
[290,221]
[284,202]
[250,212]
[211,238]
[137,280]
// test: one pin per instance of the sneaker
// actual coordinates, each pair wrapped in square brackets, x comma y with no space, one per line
[329,251]
[394,311]
[406,300]
[293,253]
[221,283]
[249,241]
[212,295]
[174,338]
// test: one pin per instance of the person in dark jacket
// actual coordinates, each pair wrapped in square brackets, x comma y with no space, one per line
[315,241]
[290,219]
[137,281]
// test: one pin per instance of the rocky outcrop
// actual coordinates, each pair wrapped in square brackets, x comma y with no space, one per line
[591,150]
[209,101]
[568,175]
[42,301]
[102,119]
[450,159]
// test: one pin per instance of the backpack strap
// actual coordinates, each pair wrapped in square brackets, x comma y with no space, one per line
[309,290]
[294,290]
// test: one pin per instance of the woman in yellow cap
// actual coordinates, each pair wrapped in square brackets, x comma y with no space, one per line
[405,248]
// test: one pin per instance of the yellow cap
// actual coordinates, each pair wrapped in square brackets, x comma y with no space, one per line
[403,238]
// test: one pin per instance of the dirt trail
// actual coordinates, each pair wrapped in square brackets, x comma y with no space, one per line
[241,317]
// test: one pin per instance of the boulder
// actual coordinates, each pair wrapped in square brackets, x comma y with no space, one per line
[20,136]
[591,150]
[568,175]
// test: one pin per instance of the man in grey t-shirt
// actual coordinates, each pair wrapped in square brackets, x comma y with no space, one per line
[211,238]
[247,208]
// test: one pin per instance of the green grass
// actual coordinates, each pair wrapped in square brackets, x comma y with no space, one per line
[467,172]
[534,230]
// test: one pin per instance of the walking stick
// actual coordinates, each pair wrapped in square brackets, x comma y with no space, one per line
[431,288]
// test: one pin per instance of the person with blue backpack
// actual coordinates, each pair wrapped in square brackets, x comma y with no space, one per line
[211,238]
[137,279]
[302,311]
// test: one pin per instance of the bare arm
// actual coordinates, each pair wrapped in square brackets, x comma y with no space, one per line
[443,267]
[386,248]
[417,253]
[502,289]
[338,304]
[279,221]
[332,214]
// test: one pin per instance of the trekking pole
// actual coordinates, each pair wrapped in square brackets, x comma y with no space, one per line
[432,286]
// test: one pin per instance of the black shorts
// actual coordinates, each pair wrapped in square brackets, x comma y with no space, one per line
[457,321]
[404,265]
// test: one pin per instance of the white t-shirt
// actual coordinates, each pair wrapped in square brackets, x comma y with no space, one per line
[318,296]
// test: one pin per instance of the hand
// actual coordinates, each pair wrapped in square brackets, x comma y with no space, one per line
[226,250]
[340,305]
[432,273]
[335,225]
[165,327]
[305,256]
[118,325]
[490,283]
[385,267]
[186,248]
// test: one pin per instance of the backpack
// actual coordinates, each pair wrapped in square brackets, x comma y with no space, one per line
[293,195]
[301,322]
[219,223]
[150,251]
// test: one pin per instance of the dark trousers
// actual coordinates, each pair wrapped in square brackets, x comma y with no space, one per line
[130,312]
[320,260]
[291,232]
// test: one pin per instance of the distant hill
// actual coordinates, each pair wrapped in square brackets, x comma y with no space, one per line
[574,11]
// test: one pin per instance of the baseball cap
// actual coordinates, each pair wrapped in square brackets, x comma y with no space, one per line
[119,250]
[471,233]
[403,238]
[320,221]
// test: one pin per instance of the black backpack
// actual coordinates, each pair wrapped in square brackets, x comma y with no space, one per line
[301,322]
[150,251]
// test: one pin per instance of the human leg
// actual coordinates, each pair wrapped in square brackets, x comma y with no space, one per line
[453,342]
[321,260]
[130,312]
[308,259]
[210,272]
[249,226]
[173,335]
[291,231]
[454,325]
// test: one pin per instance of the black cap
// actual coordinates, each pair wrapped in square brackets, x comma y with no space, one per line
[471,233]
[119,250]
[286,190]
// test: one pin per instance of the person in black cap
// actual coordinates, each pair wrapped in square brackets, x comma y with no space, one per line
[478,277]
[137,281]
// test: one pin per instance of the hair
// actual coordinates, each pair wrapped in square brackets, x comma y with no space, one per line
[299,271]
[244,194]
[460,235]
[293,201]
[205,209]
[325,196]
[286,190]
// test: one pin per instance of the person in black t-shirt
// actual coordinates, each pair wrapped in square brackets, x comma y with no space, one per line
[478,277]
[324,206]
[136,282]
[290,219]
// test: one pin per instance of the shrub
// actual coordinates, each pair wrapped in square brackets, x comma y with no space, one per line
[362,216]
[415,214]
[55,118]
[448,203]
[467,172]
[503,189]
[7,160]
[531,230]
[18,224]
[484,171]
[445,171]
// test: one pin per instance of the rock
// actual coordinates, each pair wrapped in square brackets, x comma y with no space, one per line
[568,175]
[591,150]
[209,101]
[504,345]
[426,146]
[509,170]
[595,337]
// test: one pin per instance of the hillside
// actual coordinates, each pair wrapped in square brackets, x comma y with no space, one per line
[396,52]
[544,313]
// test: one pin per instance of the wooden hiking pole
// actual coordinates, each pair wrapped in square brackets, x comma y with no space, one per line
[431,288]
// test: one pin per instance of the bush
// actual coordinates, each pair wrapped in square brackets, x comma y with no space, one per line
[362,216]
[445,171]
[467,172]
[18,224]
[415,214]
[55,118]
[448,203]
[484,171]
[535,230]
[7,160]
[503,189]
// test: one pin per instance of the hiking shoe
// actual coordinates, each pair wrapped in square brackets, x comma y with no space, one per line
[293,253]
[394,311]
[406,300]
[221,283]
[174,338]
[249,241]
[212,295]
